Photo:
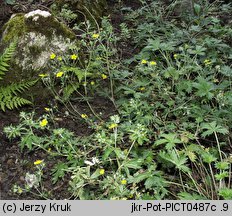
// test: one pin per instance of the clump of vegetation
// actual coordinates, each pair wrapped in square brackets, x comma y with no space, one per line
[170,135]
[9,94]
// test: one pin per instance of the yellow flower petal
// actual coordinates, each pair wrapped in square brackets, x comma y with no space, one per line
[84,116]
[37,162]
[59,74]
[102,171]
[53,56]
[144,61]
[207,62]
[113,125]
[153,63]
[43,123]
[104,76]
[124,181]
[43,75]
[73,57]
[95,36]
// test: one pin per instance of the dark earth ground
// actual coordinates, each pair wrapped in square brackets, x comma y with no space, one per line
[14,163]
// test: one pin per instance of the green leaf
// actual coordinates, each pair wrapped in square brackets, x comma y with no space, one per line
[208,158]
[189,196]
[138,177]
[95,174]
[212,128]
[222,165]
[204,88]
[58,172]
[134,163]
[178,160]
[226,193]
[169,139]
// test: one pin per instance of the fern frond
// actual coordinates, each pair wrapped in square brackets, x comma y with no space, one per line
[12,102]
[5,58]
[16,88]
[9,98]
[9,94]
[69,90]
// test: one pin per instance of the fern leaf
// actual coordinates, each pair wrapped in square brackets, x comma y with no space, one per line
[5,58]
[9,98]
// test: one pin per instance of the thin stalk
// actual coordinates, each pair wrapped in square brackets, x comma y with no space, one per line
[212,176]
[181,180]
[126,156]
[218,145]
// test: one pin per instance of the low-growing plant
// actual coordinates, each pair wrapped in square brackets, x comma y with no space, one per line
[170,136]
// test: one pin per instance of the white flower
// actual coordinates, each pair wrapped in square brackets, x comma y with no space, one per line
[115,119]
[31,180]
[94,161]
[88,163]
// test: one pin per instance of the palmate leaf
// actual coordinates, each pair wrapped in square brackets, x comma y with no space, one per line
[178,160]
[58,172]
[155,181]
[204,88]
[211,128]
[169,139]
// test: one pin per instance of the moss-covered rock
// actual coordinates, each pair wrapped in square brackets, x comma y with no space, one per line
[39,34]
[92,10]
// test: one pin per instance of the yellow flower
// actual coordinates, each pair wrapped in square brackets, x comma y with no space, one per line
[73,57]
[43,123]
[175,56]
[153,63]
[124,181]
[142,88]
[43,75]
[95,36]
[84,116]
[113,125]
[20,190]
[37,162]
[53,56]
[47,109]
[59,74]
[92,83]
[104,76]
[102,171]
[207,62]
[59,58]
[49,149]
[144,61]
